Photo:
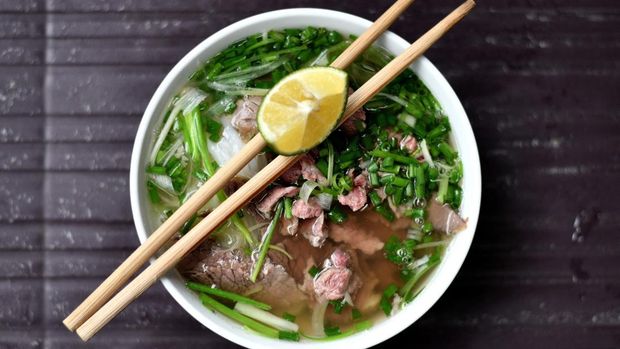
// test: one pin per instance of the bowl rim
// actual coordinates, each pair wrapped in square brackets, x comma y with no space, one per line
[388,327]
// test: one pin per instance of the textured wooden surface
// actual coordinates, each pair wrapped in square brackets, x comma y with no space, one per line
[539,79]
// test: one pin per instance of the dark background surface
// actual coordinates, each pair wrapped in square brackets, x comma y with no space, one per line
[539,80]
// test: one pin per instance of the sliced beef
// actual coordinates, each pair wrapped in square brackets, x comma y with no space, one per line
[234,184]
[289,226]
[292,174]
[315,230]
[336,278]
[244,116]
[355,199]
[332,283]
[409,143]
[310,172]
[355,122]
[305,210]
[270,199]
[358,233]
[340,258]
[444,218]
[361,180]
[230,270]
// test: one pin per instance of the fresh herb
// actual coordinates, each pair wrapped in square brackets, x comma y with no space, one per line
[356,314]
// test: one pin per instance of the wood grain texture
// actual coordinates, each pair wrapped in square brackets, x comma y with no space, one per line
[538,79]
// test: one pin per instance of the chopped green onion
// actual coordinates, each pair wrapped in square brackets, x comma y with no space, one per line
[399,158]
[373,167]
[400,181]
[254,325]
[153,194]
[337,214]
[330,161]
[156,169]
[332,331]
[356,328]
[266,317]
[289,317]
[374,179]
[385,211]
[420,182]
[443,190]
[314,270]
[226,295]
[375,199]
[288,208]
[289,335]
[338,305]
[356,314]
[266,241]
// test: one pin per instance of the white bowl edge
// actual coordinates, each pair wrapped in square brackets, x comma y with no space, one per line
[462,134]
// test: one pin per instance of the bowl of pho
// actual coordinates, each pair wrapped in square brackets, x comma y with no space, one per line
[353,243]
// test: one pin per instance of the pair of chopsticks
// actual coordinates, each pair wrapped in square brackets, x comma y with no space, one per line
[98,309]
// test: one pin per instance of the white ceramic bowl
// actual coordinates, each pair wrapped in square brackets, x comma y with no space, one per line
[462,134]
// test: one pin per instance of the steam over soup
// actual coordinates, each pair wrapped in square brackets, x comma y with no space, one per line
[342,239]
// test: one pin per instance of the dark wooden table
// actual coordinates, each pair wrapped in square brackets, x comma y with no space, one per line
[540,81]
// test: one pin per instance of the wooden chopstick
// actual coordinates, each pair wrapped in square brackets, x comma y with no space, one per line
[167,230]
[257,183]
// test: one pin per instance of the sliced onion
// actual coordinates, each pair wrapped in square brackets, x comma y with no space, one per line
[393,98]
[229,145]
[426,153]
[415,234]
[266,317]
[218,108]
[396,302]
[189,99]
[306,190]
[249,73]
[325,200]
[162,182]
[410,120]
[321,60]
[172,150]
[420,262]
[318,318]
[163,133]
[250,91]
